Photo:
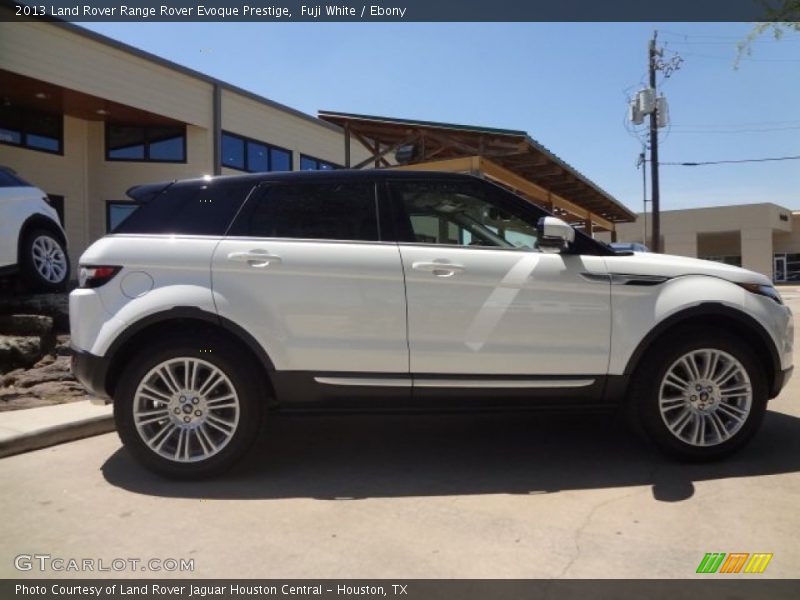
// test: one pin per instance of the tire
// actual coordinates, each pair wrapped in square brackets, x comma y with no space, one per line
[670,398]
[177,428]
[44,262]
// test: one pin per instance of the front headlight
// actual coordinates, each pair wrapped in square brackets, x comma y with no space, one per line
[763,290]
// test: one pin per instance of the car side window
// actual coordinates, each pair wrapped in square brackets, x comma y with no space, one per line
[316,211]
[459,214]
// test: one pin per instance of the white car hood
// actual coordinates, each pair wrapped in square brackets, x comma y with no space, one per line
[668,265]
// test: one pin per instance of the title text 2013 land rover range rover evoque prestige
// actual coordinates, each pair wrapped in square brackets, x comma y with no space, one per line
[221,298]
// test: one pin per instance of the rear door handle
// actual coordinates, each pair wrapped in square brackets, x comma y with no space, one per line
[256,258]
[439,269]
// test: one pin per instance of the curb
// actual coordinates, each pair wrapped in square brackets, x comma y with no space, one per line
[57,434]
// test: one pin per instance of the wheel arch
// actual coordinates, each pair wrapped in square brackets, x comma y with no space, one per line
[716,315]
[178,320]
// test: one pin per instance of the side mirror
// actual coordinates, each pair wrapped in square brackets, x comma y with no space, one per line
[554,234]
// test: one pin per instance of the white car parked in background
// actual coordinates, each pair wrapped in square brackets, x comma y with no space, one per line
[220,298]
[32,241]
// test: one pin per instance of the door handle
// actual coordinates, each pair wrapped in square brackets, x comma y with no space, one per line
[256,258]
[439,269]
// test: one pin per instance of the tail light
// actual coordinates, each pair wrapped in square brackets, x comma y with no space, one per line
[95,276]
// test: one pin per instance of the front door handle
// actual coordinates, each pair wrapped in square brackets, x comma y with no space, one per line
[256,258]
[439,268]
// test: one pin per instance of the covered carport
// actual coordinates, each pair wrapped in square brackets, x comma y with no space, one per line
[508,157]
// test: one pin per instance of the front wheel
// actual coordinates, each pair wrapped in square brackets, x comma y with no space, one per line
[701,396]
[188,413]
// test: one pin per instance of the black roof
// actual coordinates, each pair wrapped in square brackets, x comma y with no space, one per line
[139,191]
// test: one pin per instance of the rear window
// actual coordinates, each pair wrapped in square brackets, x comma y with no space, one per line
[189,208]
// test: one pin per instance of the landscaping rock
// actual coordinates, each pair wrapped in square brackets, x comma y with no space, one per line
[48,369]
[19,351]
[55,306]
[62,346]
[25,325]
[48,382]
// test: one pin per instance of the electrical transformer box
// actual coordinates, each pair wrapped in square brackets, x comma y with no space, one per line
[662,112]
[647,101]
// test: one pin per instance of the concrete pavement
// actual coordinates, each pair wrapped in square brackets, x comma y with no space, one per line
[34,428]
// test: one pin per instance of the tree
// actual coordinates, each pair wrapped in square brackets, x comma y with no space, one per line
[780,16]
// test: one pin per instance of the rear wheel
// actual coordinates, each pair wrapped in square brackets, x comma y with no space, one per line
[701,395]
[187,413]
[43,261]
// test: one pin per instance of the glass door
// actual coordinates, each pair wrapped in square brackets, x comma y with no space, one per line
[780,267]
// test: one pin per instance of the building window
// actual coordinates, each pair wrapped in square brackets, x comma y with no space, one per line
[787,267]
[32,129]
[57,202]
[245,154]
[146,143]
[736,261]
[309,163]
[117,211]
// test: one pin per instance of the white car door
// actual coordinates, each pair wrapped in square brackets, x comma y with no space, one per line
[482,300]
[304,272]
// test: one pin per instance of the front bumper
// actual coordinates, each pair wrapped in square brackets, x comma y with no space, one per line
[91,371]
[780,380]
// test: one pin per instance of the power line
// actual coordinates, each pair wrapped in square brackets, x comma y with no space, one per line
[739,124]
[755,130]
[728,162]
[699,36]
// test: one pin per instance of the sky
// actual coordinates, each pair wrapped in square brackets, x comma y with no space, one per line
[566,84]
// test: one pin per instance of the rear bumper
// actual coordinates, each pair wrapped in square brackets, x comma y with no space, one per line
[91,371]
[780,381]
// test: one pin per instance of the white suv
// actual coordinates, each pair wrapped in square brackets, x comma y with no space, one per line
[221,298]
[32,241]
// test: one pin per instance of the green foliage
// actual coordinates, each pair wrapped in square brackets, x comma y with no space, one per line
[780,16]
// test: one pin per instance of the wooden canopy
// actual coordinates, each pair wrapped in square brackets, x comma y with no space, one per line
[509,157]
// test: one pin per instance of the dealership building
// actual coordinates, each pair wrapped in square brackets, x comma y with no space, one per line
[763,237]
[85,117]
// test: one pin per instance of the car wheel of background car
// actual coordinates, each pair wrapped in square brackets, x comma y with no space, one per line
[186,410]
[44,262]
[700,395]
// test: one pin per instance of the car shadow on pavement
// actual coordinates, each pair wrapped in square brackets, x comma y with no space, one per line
[369,456]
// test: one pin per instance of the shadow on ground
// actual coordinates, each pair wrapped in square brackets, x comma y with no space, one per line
[351,457]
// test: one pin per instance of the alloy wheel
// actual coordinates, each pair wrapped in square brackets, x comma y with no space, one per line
[49,259]
[705,397]
[186,409]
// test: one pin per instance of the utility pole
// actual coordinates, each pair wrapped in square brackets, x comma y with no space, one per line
[647,102]
[643,164]
[654,190]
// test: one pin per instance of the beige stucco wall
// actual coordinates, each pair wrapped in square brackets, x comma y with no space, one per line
[789,243]
[719,244]
[56,55]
